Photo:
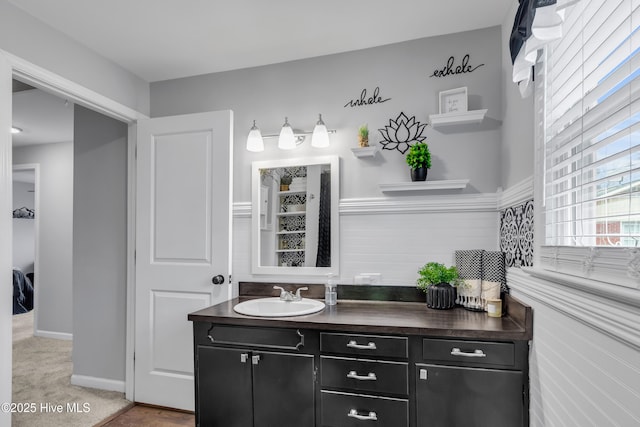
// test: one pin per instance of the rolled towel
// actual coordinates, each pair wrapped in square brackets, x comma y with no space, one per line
[493,275]
[469,264]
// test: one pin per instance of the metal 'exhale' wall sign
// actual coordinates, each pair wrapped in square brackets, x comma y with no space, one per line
[451,69]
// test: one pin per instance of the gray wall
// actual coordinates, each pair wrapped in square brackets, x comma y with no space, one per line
[30,39]
[99,245]
[23,228]
[302,89]
[518,126]
[53,287]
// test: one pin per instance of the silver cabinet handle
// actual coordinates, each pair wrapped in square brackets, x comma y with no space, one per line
[476,353]
[370,346]
[255,359]
[371,376]
[244,357]
[354,414]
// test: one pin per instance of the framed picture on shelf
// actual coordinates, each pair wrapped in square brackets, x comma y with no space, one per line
[453,101]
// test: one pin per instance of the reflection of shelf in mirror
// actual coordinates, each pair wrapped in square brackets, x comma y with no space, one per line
[457,118]
[451,184]
[290,213]
[364,151]
[291,232]
[289,250]
[291,193]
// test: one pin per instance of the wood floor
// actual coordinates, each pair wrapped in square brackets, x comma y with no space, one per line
[143,415]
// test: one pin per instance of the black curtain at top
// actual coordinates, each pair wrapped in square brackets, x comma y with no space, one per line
[522,24]
[323,258]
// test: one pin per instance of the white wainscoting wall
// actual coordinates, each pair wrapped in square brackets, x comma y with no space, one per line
[585,355]
[393,236]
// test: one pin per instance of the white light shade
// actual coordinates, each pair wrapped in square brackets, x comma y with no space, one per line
[320,137]
[15,129]
[287,140]
[254,140]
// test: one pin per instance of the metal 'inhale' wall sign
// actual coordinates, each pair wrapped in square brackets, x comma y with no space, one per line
[367,100]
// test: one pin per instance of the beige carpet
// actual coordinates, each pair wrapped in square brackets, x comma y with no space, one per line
[41,379]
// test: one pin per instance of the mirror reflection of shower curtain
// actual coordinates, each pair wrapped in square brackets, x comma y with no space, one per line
[323,258]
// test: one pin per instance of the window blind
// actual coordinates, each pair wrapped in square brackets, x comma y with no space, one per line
[591,122]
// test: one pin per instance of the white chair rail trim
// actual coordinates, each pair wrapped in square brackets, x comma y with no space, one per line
[484,202]
[516,194]
[610,309]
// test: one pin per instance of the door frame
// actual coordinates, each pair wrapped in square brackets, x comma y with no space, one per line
[12,66]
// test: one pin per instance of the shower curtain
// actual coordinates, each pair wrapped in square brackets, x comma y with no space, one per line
[323,258]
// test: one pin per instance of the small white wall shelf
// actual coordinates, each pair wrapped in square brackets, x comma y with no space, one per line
[451,184]
[364,151]
[457,118]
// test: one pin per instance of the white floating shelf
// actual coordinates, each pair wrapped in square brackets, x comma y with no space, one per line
[451,184]
[364,151]
[457,118]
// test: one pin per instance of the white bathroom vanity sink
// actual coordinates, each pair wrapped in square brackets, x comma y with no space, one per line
[275,307]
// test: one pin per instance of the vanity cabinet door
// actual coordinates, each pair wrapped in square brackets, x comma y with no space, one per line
[451,396]
[283,389]
[223,387]
[248,388]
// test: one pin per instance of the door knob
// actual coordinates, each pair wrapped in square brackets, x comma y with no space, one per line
[218,280]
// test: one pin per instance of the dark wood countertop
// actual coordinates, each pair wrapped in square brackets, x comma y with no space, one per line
[388,317]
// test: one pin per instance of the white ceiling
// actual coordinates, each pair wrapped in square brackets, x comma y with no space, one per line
[43,118]
[165,39]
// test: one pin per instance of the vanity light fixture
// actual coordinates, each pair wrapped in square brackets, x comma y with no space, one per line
[15,130]
[290,138]
[254,140]
[320,137]
[286,141]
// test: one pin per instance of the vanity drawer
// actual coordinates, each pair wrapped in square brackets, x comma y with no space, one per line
[275,338]
[469,352]
[356,410]
[364,375]
[366,345]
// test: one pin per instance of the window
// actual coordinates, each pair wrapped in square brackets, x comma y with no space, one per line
[590,94]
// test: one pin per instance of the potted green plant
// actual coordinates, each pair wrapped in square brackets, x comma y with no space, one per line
[419,160]
[363,135]
[285,181]
[438,282]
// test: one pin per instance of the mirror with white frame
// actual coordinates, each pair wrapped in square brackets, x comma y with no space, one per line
[295,221]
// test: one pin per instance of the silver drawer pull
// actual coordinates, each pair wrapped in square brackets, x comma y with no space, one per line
[354,414]
[370,346]
[476,353]
[369,377]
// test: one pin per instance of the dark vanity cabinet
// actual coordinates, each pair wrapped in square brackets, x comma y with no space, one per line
[363,364]
[254,377]
[479,383]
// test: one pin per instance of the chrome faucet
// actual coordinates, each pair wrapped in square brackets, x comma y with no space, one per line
[288,295]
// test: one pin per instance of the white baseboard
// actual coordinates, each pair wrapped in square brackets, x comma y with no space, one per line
[99,383]
[55,335]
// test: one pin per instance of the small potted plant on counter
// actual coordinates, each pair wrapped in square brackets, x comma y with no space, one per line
[419,160]
[363,136]
[438,282]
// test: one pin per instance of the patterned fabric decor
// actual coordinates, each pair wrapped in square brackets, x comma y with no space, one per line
[516,235]
[494,278]
[484,277]
[469,264]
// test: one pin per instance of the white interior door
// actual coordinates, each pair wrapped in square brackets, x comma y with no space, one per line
[183,241]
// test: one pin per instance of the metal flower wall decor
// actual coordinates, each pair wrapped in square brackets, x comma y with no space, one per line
[401,132]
